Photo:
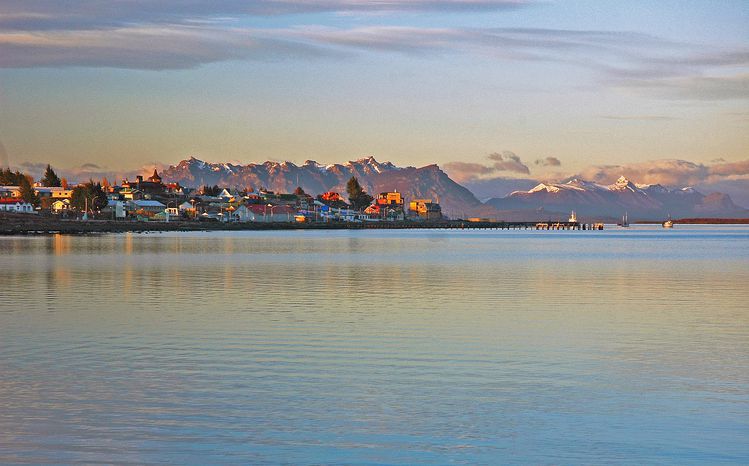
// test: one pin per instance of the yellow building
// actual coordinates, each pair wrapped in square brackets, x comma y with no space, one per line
[390,199]
[425,209]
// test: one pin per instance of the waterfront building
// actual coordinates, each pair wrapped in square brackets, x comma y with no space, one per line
[390,199]
[264,213]
[424,209]
[14,204]
[60,205]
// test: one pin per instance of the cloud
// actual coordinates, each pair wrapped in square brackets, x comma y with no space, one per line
[97,14]
[669,172]
[465,171]
[694,87]
[32,168]
[549,162]
[508,161]
[730,168]
[638,117]
[179,34]
[151,48]
[469,171]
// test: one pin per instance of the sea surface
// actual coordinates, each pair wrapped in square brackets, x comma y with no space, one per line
[622,346]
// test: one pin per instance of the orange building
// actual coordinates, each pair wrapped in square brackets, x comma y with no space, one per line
[331,196]
[392,199]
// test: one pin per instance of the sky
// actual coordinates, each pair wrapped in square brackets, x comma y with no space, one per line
[540,89]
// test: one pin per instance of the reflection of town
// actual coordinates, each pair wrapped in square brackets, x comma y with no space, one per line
[151,199]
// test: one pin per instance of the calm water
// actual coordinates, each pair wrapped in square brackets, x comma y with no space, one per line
[412,347]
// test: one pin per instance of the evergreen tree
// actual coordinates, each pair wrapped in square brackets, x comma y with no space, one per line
[299,191]
[358,198]
[64,183]
[9,178]
[27,191]
[50,178]
[90,194]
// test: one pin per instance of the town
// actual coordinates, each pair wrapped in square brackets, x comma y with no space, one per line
[151,199]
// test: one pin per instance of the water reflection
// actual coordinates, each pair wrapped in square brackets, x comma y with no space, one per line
[382,347]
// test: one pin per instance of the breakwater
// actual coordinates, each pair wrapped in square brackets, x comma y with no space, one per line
[27,224]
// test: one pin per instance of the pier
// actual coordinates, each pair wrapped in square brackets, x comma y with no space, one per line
[32,224]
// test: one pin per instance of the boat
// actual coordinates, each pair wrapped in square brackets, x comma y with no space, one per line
[625,221]
[573,217]
[668,223]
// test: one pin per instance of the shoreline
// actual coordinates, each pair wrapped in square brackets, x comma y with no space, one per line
[23,224]
[20,224]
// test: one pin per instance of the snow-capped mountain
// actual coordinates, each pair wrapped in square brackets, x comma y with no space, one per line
[641,202]
[415,183]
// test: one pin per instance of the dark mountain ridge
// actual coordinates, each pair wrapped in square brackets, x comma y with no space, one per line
[428,182]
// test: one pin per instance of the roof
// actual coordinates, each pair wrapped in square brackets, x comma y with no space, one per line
[271,210]
[148,203]
[12,200]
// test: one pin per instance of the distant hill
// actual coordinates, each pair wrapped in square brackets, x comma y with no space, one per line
[640,202]
[425,182]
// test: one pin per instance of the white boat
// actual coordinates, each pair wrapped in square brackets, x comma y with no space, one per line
[625,220]
[668,223]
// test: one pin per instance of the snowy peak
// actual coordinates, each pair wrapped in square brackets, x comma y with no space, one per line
[651,202]
[370,165]
[549,188]
[623,184]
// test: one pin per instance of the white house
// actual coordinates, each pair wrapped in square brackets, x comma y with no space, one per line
[16,205]
[264,213]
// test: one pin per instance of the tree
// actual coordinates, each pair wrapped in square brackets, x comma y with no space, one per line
[64,183]
[210,190]
[358,198]
[89,194]
[50,178]
[27,191]
[105,185]
[9,178]
[299,191]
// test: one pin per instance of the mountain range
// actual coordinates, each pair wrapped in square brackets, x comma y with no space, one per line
[546,200]
[428,182]
[639,202]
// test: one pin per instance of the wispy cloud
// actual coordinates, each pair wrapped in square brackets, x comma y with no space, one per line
[694,87]
[505,161]
[638,117]
[40,15]
[508,161]
[151,48]
[465,171]
[178,34]
[549,162]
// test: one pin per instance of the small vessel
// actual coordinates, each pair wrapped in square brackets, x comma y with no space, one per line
[668,223]
[573,217]
[625,220]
